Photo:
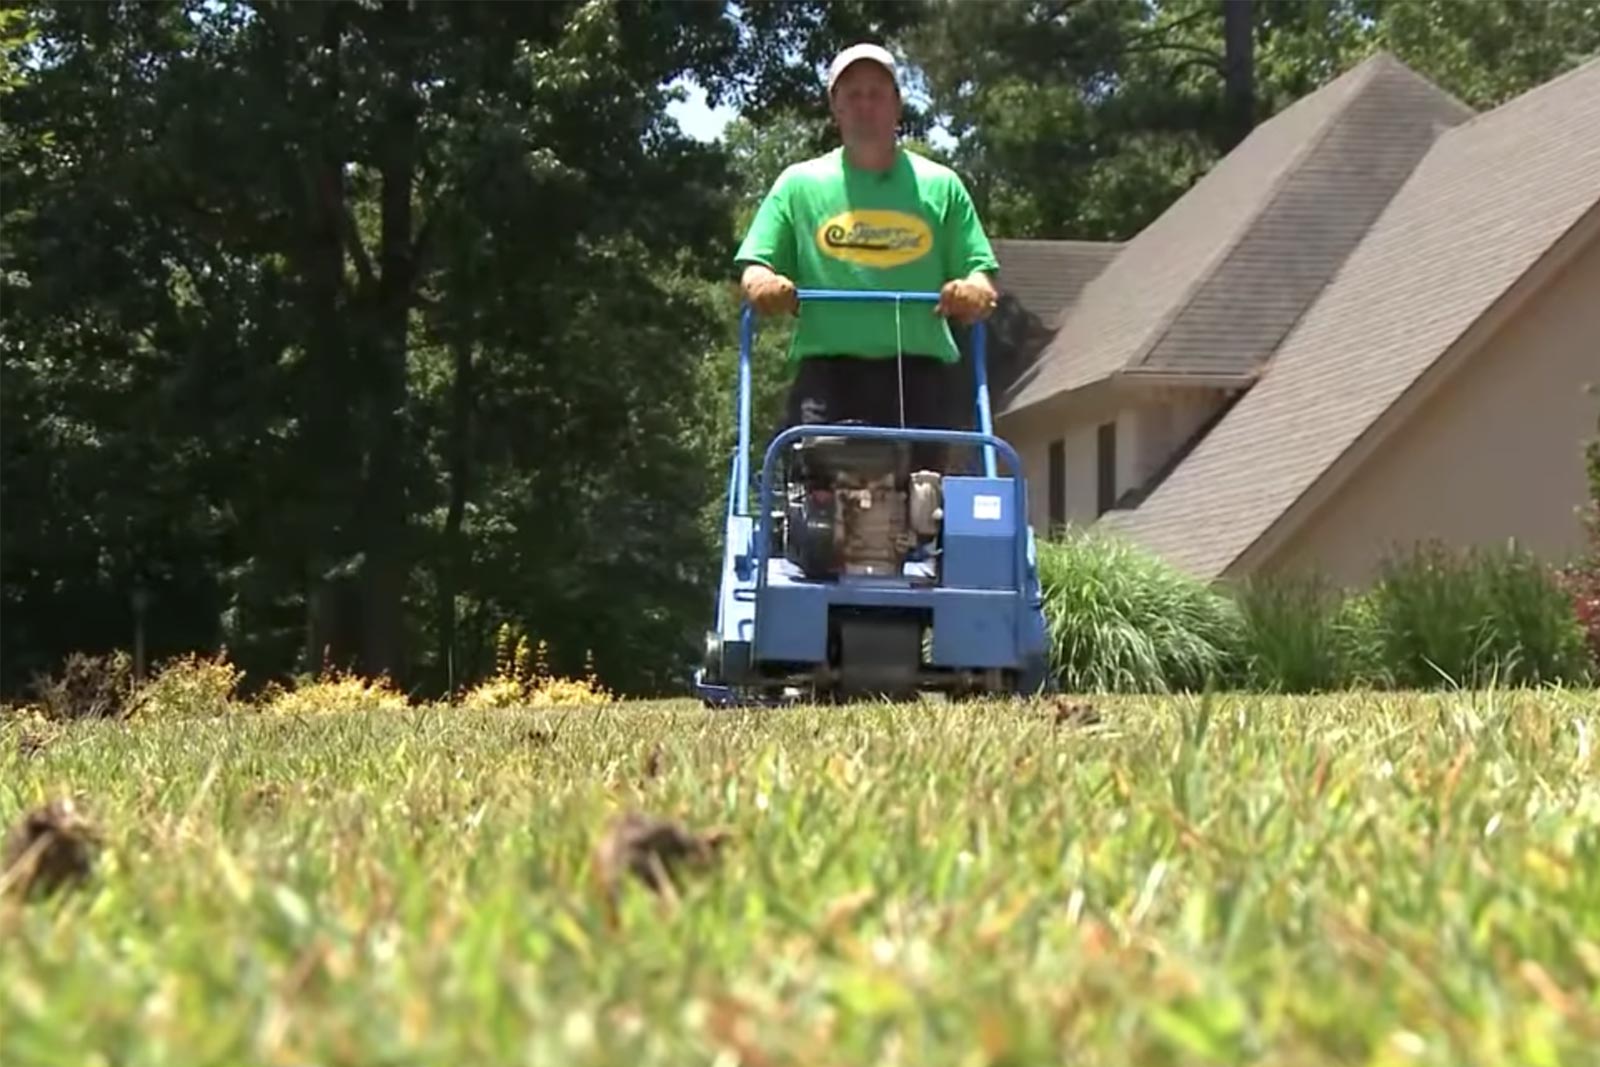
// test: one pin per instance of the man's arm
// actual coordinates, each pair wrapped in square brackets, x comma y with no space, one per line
[766,249]
[971,296]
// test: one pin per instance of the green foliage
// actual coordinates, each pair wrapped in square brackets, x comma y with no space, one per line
[1295,635]
[1489,51]
[1088,120]
[354,331]
[1123,620]
[1361,642]
[1309,881]
[1581,577]
[1475,618]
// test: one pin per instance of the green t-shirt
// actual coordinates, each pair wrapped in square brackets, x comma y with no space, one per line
[828,225]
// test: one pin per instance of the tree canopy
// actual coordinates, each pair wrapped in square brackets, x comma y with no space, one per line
[343,333]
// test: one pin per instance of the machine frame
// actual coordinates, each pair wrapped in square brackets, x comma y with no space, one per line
[778,632]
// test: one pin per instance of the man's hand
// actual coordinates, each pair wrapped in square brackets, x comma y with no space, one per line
[769,293]
[969,299]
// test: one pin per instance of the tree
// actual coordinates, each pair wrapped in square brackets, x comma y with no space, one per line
[1089,120]
[236,263]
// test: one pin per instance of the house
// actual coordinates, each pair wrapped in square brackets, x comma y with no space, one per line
[1370,324]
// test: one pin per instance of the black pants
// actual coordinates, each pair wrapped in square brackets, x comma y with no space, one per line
[850,389]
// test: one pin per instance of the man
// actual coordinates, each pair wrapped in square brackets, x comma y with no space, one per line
[870,215]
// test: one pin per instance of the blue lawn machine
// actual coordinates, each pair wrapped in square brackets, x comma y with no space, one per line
[857,575]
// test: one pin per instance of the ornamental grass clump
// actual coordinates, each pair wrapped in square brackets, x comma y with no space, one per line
[1486,616]
[1121,619]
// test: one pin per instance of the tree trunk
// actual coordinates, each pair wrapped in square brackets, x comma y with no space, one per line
[319,525]
[384,516]
[1239,78]
[460,460]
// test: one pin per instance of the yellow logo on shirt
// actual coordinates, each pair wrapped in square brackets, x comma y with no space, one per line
[875,238]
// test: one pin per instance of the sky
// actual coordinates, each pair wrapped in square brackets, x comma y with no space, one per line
[696,119]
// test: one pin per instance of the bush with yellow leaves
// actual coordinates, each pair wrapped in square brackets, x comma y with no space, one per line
[523,679]
[334,693]
[190,686]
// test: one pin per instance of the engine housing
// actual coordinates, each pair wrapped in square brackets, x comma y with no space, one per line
[854,507]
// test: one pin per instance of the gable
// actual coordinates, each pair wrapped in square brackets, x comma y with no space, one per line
[1489,455]
[1489,202]
[1213,284]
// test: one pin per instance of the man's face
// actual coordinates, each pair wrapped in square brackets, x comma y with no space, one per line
[865,103]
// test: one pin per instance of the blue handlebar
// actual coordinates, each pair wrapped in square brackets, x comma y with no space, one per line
[868,295]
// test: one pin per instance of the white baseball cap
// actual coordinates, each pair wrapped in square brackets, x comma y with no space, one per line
[876,53]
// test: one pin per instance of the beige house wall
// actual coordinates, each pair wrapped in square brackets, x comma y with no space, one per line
[1163,425]
[1496,453]
[1078,437]
[1151,426]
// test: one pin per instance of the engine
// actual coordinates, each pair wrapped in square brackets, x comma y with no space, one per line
[854,507]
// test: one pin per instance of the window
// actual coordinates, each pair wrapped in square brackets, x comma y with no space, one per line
[1108,467]
[1057,483]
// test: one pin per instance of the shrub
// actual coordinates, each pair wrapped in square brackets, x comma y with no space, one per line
[1580,580]
[190,686]
[523,678]
[333,693]
[89,687]
[1121,619]
[1359,633]
[1296,635]
[1487,615]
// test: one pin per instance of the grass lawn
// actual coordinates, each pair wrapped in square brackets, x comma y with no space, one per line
[1354,879]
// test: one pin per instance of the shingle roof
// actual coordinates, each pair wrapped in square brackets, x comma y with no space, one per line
[1047,276]
[1486,203]
[1214,283]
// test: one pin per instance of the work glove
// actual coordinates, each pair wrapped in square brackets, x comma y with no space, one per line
[773,295]
[965,301]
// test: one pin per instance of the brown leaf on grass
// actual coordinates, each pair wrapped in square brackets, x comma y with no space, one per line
[1064,712]
[1096,939]
[1571,1008]
[263,797]
[844,909]
[312,959]
[31,743]
[52,847]
[730,1024]
[652,850]
[994,1035]
[1319,777]
[1452,777]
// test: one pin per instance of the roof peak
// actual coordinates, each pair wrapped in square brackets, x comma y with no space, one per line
[1323,165]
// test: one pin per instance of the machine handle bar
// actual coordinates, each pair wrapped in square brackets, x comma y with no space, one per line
[739,478]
